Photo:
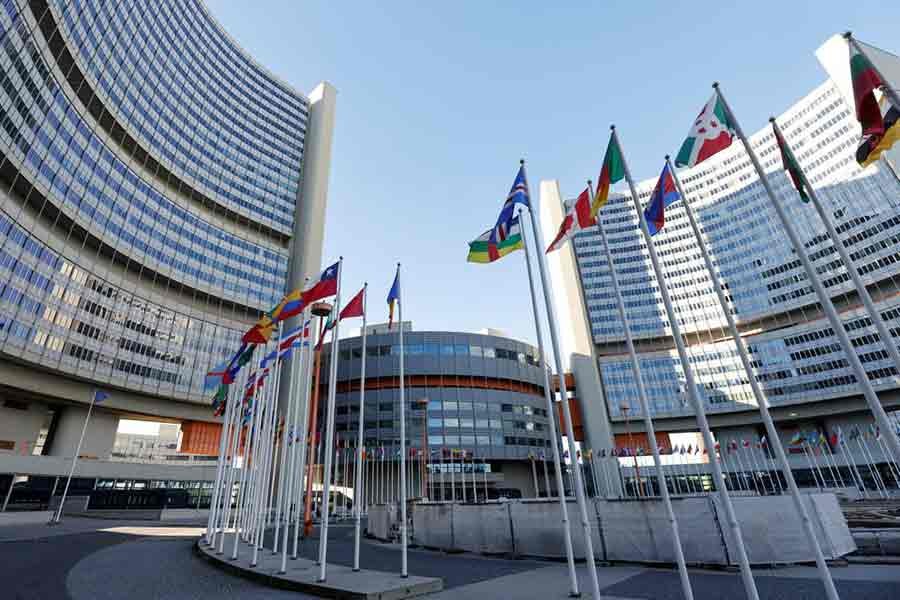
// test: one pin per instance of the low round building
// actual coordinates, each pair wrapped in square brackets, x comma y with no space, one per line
[474,401]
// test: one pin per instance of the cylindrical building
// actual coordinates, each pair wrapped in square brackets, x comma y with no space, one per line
[472,400]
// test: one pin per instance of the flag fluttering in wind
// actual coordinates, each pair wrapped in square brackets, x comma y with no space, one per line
[578,218]
[241,358]
[356,306]
[291,305]
[612,171]
[260,332]
[879,119]
[518,194]
[481,251]
[323,287]
[215,376]
[789,161]
[100,396]
[393,298]
[711,133]
[664,194]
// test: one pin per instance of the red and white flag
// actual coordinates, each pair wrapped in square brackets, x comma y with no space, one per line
[578,218]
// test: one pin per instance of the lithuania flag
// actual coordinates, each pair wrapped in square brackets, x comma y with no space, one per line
[790,163]
[611,172]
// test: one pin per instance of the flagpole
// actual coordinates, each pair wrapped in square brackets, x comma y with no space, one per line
[304,473]
[761,400]
[564,400]
[403,567]
[874,314]
[329,427]
[357,498]
[294,408]
[731,518]
[234,441]
[220,470]
[552,413]
[645,409]
[87,418]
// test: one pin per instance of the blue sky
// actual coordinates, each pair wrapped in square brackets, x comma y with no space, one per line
[438,101]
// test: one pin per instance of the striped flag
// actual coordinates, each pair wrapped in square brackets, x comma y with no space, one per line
[578,218]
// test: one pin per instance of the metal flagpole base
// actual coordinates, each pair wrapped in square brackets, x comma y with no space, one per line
[404,576]
[356,570]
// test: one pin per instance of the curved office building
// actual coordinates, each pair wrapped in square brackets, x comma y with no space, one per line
[795,355]
[482,395]
[156,186]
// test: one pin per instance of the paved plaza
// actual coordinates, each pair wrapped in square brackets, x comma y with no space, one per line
[90,559]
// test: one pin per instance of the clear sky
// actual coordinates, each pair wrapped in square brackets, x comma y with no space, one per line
[437,101]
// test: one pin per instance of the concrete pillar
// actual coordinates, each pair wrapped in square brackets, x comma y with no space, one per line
[98,439]
[309,216]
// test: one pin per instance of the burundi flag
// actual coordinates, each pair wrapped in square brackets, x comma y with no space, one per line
[481,251]
[711,132]
[790,164]
[664,194]
[578,218]
[612,171]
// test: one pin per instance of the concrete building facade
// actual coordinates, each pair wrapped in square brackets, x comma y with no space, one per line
[159,190]
[795,355]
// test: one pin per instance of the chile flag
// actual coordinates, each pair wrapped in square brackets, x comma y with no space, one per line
[664,194]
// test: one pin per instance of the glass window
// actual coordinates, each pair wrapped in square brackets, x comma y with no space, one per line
[507,408]
[483,440]
[434,405]
[432,349]
[436,423]
[479,407]
[415,349]
[448,405]
[385,350]
[475,350]
[489,352]
[495,423]
[451,439]
[356,352]
[453,422]
[447,349]
[461,350]
[466,423]
[527,410]
[465,407]
[372,351]
[436,440]
[467,440]
[395,350]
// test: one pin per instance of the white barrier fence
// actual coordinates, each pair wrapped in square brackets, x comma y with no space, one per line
[628,530]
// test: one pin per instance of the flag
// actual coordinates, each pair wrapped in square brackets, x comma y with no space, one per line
[356,306]
[218,400]
[481,251]
[790,164]
[878,119]
[260,332]
[393,297]
[796,438]
[518,194]
[324,286]
[578,218]
[290,305]
[100,396]
[215,376]
[612,171]
[664,194]
[243,356]
[288,339]
[711,132]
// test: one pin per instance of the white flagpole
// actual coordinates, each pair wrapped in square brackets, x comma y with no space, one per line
[564,400]
[304,473]
[328,449]
[234,445]
[357,498]
[645,410]
[746,573]
[250,439]
[537,492]
[823,297]
[403,537]
[874,314]
[221,471]
[294,408]
[220,468]
[553,416]
[87,418]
